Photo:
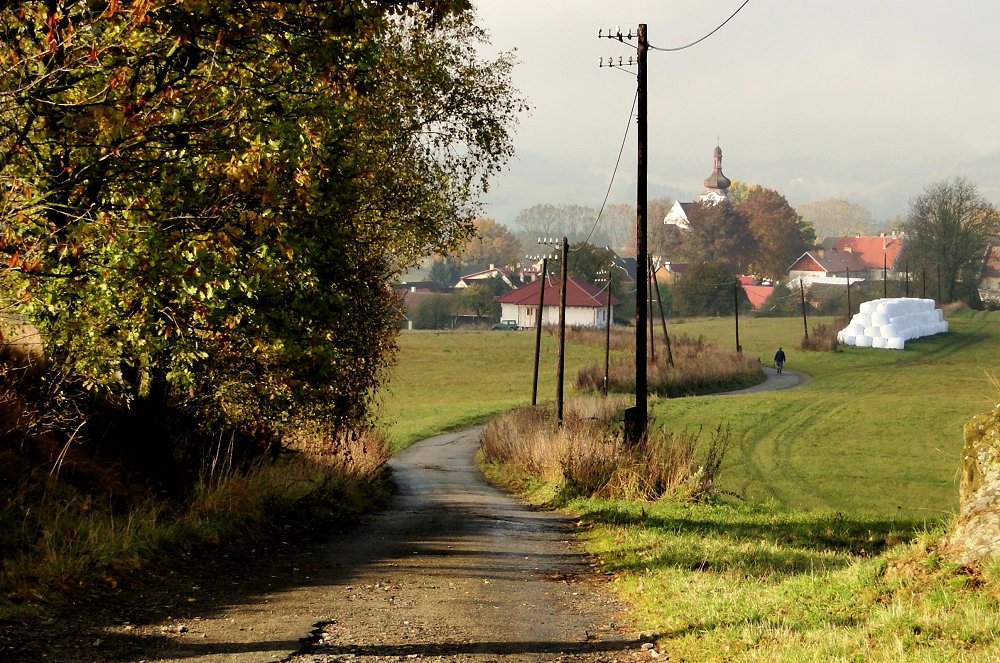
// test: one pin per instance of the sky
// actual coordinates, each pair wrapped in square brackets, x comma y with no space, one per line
[869,101]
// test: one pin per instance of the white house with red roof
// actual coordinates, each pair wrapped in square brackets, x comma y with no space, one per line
[586,304]
[858,257]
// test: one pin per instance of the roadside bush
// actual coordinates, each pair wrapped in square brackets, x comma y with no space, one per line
[823,338]
[589,456]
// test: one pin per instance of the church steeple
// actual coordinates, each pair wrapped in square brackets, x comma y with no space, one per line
[717,180]
[716,184]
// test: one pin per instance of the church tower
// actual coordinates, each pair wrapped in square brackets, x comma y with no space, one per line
[716,184]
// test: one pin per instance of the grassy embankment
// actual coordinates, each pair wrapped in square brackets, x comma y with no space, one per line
[837,476]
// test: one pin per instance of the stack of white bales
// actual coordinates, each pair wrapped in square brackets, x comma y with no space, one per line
[889,323]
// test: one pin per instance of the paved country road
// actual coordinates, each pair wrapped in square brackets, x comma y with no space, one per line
[453,570]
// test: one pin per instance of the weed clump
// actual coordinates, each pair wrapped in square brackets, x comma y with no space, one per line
[699,367]
[589,455]
[822,339]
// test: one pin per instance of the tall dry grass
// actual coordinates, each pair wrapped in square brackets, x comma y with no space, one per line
[699,368]
[823,338]
[61,540]
[588,455]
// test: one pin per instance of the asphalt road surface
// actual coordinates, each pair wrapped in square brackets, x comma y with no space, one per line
[453,570]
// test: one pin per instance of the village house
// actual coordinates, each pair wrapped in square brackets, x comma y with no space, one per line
[491,272]
[858,257]
[586,305]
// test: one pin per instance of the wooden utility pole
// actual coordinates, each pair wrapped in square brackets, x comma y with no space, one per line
[538,331]
[849,295]
[885,276]
[649,314]
[640,416]
[607,338]
[805,323]
[736,310]
[560,373]
[663,316]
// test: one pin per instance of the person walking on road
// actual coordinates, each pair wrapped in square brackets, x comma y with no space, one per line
[779,359]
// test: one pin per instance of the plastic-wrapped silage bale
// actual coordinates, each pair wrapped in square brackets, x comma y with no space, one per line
[888,331]
[878,342]
[863,341]
[894,343]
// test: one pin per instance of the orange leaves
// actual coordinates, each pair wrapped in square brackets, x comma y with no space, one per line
[16,263]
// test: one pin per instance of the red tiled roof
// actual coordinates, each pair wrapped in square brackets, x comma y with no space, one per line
[578,294]
[833,262]
[872,251]
[758,294]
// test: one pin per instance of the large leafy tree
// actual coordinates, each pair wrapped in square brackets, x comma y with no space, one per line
[202,203]
[492,243]
[586,261]
[719,234]
[780,233]
[707,288]
[949,227]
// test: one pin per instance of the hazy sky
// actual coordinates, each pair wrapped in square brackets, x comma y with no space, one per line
[865,100]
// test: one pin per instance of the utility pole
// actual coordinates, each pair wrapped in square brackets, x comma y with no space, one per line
[637,418]
[562,331]
[663,317]
[538,329]
[848,294]
[736,310]
[607,339]
[802,293]
[649,314]
[885,276]
[606,274]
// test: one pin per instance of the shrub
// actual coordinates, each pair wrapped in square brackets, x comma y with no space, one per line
[699,368]
[589,456]
[823,338]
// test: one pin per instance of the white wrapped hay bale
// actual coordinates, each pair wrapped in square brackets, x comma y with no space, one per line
[888,331]
[863,319]
[890,322]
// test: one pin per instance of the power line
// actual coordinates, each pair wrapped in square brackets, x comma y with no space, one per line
[621,150]
[698,41]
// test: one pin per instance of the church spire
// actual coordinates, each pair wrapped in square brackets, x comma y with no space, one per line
[717,182]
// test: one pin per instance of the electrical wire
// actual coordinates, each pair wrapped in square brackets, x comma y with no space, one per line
[698,41]
[621,151]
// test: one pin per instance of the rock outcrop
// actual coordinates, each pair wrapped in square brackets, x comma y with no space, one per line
[977,536]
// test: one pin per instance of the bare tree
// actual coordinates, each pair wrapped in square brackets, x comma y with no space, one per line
[948,231]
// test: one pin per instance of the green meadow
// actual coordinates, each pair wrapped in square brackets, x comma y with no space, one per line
[874,430]
[824,542]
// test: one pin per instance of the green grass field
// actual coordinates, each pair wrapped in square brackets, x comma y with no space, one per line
[873,430]
[843,486]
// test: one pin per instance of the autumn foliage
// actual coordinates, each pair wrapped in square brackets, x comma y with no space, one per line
[202,203]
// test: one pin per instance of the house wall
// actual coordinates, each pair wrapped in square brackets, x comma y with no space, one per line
[576,316]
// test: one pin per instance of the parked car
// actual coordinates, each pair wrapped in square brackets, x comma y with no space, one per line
[510,325]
